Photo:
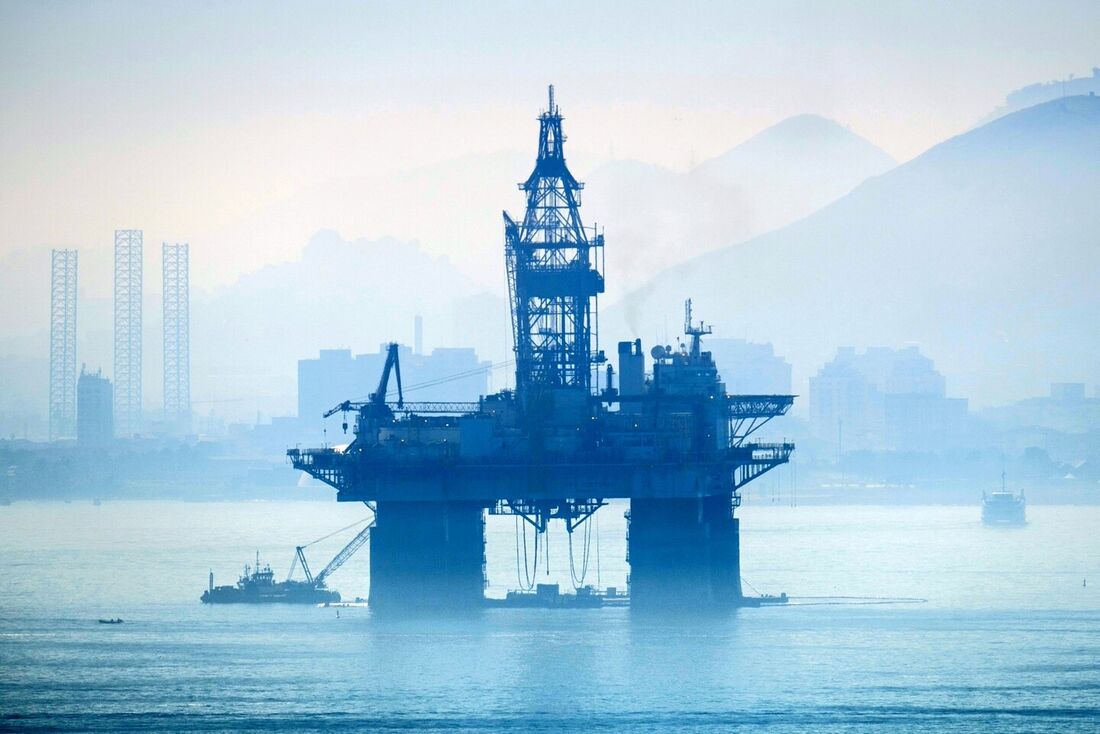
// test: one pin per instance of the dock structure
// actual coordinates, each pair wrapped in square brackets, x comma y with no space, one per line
[576,432]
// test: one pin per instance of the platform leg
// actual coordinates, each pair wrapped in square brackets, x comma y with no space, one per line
[684,554]
[427,556]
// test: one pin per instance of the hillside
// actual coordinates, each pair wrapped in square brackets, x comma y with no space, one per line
[1040,92]
[983,251]
[247,338]
[656,218]
[797,166]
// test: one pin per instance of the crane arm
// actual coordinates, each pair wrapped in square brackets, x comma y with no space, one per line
[305,566]
[347,552]
[397,374]
[392,365]
[344,406]
[392,362]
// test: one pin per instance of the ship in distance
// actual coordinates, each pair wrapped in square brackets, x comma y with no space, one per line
[1004,507]
[257,585]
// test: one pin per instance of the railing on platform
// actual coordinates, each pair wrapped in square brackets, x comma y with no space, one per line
[763,457]
[447,407]
[323,464]
[747,413]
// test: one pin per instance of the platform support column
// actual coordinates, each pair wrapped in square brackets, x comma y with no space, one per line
[427,556]
[684,554]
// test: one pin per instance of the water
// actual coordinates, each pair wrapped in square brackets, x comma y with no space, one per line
[1008,640]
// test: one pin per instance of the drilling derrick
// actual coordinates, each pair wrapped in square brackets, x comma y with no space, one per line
[63,344]
[175,260]
[670,440]
[128,276]
[553,280]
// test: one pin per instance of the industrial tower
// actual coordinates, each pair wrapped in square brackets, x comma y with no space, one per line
[670,440]
[62,344]
[177,359]
[553,278]
[128,272]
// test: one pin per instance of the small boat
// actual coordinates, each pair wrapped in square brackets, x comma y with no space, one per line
[116,620]
[1004,507]
[769,599]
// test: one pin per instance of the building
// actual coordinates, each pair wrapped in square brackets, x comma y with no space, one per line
[1034,94]
[885,399]
[749,368]
[1067,391]
[844,405]
[1065,410]
[448,373]
[95,415]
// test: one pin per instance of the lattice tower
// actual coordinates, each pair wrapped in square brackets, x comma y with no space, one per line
[553,273]
[177,359]
[128,278]
[63,344]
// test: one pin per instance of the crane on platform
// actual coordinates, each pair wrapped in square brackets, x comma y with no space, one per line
[376,403]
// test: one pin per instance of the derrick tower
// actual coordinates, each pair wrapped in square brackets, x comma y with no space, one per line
[128,275]
[62,344]
[177,360]
[553,278]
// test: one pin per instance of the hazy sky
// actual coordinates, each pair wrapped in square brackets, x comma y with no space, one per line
[183,118]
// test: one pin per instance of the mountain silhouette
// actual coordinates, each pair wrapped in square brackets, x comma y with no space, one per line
[983,251]
[656,217]
[247,337]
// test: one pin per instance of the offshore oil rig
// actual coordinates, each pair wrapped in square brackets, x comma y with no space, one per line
[564,441]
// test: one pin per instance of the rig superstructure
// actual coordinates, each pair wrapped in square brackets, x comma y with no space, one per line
[564,441]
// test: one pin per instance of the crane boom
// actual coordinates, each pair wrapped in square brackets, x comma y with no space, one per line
[347,552]
[377,400]
[344,406]
[305,566]
[393,363]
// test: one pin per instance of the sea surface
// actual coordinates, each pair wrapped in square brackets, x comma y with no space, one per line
[1007,639]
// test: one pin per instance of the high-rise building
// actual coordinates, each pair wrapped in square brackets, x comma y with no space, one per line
[62,344]
[453,373]
[128,276]
[95,425]
[845,407]
[1066,410]
[749,368]
[885,398]
[177,351]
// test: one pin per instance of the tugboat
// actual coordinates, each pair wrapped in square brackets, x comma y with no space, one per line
[258,586]
[1004,507]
